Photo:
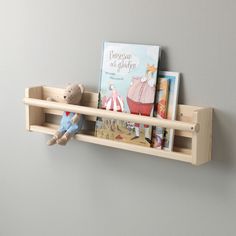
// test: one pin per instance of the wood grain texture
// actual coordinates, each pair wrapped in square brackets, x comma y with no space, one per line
[175,155]
[179,125]
[202,140]
[34,115]
[193,124]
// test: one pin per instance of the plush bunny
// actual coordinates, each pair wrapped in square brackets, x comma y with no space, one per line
[71,123]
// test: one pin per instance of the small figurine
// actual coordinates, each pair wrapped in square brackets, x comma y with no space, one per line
[71,123]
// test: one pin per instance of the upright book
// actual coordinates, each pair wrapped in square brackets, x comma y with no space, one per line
[160,111]
[173,79]
[127,84]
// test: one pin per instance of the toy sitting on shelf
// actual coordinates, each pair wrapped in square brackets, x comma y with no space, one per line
[71,123]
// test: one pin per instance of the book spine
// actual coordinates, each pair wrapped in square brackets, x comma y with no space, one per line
[172,107]
[160,111]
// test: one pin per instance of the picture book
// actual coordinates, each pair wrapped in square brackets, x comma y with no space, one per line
[173,78]
[127,84]
[160,111]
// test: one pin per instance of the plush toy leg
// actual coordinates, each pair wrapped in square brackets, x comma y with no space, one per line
[54,139]
[64,139]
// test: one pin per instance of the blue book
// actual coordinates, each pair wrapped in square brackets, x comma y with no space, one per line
[127,84]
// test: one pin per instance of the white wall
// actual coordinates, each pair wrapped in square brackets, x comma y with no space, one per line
[84,189]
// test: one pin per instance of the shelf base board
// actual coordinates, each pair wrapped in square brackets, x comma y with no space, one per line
[179,154]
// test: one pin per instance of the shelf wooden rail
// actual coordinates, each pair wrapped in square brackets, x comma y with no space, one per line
[193,125]
[178,125]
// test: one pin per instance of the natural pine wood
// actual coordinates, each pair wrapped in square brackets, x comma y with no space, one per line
[34,115]
[179,125]
[180,156]
[193,123]
[202,140]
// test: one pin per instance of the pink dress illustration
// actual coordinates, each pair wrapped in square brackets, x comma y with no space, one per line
[140,98]
[113,103]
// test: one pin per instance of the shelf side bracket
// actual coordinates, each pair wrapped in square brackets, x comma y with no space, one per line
[202,140]
[34,115]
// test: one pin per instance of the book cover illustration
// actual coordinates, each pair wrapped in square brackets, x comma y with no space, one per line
[128,83]
[173,78]
[160,111]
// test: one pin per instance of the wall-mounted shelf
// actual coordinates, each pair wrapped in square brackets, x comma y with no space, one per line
[193,136]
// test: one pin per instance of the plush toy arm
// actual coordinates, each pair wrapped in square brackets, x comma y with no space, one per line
[75,118]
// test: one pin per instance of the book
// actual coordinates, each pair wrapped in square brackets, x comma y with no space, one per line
[127,84]
[173,78]
[160,111]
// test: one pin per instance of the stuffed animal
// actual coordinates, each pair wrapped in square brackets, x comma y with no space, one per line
[71,123]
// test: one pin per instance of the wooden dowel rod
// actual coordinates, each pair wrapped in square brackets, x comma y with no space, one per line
[178,125]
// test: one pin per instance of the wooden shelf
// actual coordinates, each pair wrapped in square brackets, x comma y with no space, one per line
[193,124]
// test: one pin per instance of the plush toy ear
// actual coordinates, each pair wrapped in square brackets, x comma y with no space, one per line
[81,88]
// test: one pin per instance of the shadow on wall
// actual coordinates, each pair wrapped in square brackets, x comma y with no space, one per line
[164,67]
[224,146]
[164,59]
[223,139]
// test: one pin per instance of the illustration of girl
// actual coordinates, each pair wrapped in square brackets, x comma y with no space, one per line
[140,98]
